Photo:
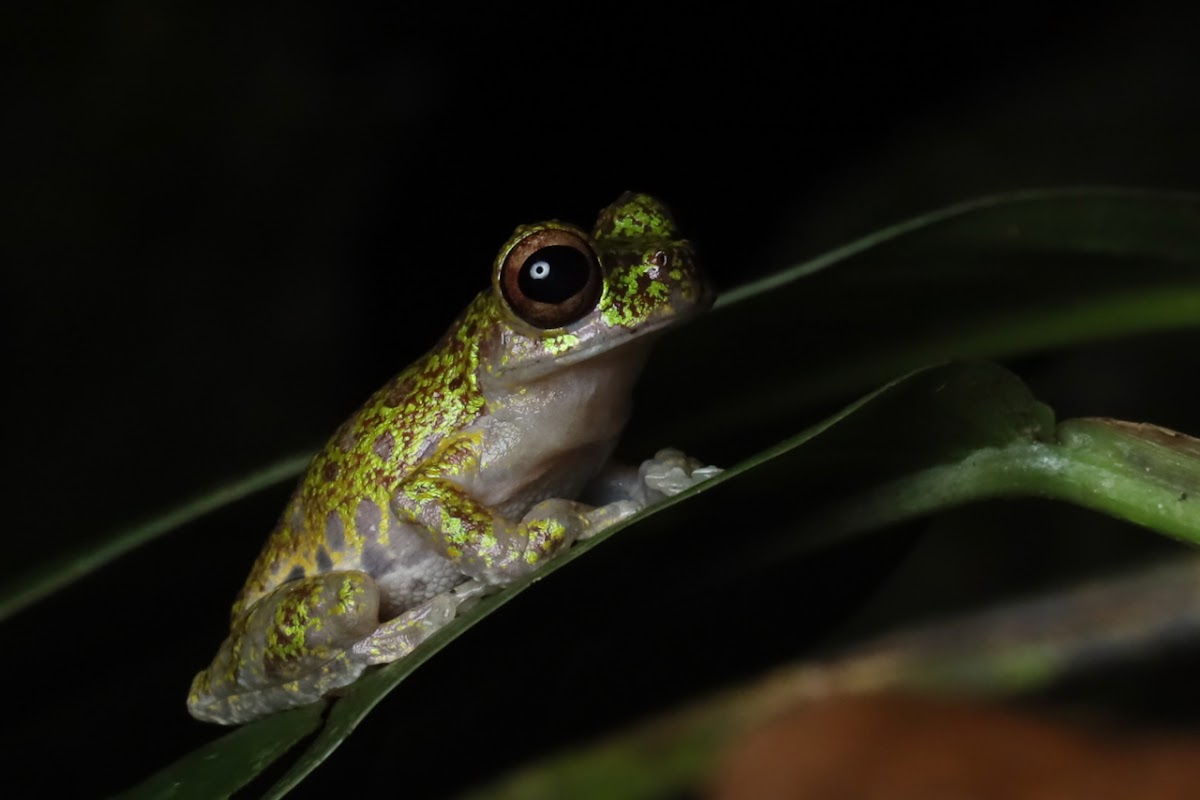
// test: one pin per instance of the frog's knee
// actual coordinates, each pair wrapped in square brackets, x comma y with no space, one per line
[311,621]
[294,635]
[331,606]
[242,705]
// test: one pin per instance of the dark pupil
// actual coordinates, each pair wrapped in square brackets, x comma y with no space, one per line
[553,274]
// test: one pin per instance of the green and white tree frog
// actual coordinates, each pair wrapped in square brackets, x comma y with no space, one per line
[470,468]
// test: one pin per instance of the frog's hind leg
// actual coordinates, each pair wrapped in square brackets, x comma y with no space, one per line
[305,639]
[289,648]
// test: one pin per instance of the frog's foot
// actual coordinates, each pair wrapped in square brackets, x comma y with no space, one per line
[398,637]
[605,516]
[670,472]
[667,474]
[470,592]
[620,490]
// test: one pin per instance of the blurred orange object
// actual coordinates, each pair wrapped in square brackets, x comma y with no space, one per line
[911,748]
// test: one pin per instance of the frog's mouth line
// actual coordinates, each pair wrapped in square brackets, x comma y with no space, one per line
[642,336]
[588,353]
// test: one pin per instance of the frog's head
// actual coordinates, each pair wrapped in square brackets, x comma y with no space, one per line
[563,296]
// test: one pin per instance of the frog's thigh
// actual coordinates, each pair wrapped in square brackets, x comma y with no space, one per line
[291,648]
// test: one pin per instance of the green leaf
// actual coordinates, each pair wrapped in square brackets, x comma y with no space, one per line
[1004,650]
[54,575]
[223,766]
[1140,473]
[935,439]
[995,277]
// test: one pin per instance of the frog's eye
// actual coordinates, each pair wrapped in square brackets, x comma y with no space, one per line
[551,278]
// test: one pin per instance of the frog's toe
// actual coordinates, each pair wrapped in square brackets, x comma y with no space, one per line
[470,592]
[672,471]
[605,516]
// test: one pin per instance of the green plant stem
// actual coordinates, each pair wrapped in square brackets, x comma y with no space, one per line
[1140,473]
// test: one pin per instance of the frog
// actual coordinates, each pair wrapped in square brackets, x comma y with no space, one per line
[471,468]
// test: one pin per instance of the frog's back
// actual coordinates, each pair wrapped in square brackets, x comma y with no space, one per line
[339,514]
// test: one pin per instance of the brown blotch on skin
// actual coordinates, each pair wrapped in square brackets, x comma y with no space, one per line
[605,223]
[296,517]
[383,445]
[275,663]
[376,560]
[397,392]
[331,471]
[324,562]
[335,532]
[347,435]
[367,516]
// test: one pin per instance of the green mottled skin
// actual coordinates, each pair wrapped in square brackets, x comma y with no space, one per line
[375,450]
[465,466]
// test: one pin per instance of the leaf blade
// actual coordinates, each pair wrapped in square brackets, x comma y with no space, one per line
[51,576]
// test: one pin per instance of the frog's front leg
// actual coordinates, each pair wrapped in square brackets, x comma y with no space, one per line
[484,544]
[668,473]
[304,639]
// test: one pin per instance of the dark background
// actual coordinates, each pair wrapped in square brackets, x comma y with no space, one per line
[225,226]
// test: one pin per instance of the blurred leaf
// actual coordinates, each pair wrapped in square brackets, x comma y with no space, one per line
[938,438]
[994,277]
[1012,648]
[223,766]
[52,576]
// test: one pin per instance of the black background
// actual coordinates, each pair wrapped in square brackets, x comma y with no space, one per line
[225,226]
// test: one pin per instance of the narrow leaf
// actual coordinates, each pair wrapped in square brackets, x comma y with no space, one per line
[990,278]
[221,767]
[54,575]
[1013,648]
